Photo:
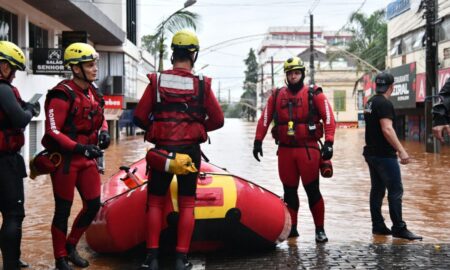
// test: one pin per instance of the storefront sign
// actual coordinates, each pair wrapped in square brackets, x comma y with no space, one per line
[396,8]
[49,61]
[404,94]
[421,86]
[113,102]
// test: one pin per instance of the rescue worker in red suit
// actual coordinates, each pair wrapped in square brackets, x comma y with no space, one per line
[76,128]
[300,115]
[15,115]
[177,113]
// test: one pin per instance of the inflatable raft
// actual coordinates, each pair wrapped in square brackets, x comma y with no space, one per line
[229,212]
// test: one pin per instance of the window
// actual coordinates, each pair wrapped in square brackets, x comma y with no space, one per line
[396,48]
[339,100]
[444,29]
[418,39]
[131,20]
[8,26]
[38,37]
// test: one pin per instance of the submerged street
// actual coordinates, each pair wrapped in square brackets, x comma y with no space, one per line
[347,219]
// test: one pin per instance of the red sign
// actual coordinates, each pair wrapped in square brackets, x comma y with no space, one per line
[113,102]
[421,83]
[420,87]
[369,87]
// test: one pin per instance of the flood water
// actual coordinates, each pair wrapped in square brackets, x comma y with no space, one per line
[347,220]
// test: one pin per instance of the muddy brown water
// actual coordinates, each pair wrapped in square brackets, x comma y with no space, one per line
[426,183]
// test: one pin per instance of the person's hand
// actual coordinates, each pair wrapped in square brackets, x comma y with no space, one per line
[90,151]
[404,157]
[439,131]
[34,108]
[257,149]
[327,150]
[104,139]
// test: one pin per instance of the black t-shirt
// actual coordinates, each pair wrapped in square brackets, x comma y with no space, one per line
[378,107]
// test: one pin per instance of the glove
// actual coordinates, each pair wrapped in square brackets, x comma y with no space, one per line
[90,151]
[181,164]
[257,149]
[34,108]
[104,139]
[327,150]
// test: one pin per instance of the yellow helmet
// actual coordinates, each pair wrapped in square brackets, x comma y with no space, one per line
[185,39]
[13,54]
[293,63]
[79,52]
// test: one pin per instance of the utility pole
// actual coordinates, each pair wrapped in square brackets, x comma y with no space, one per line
[431,7]
[311,48]
[229,96]
[271,68]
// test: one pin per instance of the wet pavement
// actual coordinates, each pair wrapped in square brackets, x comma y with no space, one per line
[347,220]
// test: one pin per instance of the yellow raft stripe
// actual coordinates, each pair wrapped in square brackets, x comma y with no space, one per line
[228,186]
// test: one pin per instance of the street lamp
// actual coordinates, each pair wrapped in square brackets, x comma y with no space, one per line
[187,4]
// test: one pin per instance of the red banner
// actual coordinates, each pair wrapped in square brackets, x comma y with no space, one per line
[113,102]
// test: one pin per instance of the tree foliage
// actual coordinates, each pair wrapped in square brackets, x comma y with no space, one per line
[251,78]
[369,38]
[155,44]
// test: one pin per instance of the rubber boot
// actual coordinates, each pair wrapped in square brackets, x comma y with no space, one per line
[181,262]
[75,258]
[62,264]
[321,237]
[23,264]
[151,260]
[294,232]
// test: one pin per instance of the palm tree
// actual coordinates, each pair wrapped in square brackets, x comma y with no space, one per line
[175,22]
[369,38]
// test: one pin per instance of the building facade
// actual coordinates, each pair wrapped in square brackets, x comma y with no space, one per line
[406,60]
[335,72]
[110,26]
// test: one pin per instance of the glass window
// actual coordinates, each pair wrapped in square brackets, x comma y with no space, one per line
[38,37]
[396,48]
[407,43]
[418,39]
[339,100]
[444,29]
[8,26]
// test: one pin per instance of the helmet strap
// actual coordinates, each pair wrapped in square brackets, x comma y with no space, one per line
[84,77]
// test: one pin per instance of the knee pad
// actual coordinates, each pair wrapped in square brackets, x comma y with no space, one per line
[62,213]
[291,197]
[91,209]
[313,192]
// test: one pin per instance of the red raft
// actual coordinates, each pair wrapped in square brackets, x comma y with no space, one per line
[229,212]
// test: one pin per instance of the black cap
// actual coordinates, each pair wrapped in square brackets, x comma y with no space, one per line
[383,80]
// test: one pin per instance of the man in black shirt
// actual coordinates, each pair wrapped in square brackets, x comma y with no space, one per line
[441,113]
[380,152]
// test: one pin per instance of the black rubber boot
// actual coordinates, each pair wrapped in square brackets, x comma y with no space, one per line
[23,264]
[294,232]
[151,260]
[321,237]
[181,262]
[62,264]
[75,258]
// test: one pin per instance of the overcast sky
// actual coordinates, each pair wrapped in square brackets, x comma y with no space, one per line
[221,21]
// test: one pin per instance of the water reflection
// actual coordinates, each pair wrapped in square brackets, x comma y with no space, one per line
[346,195]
